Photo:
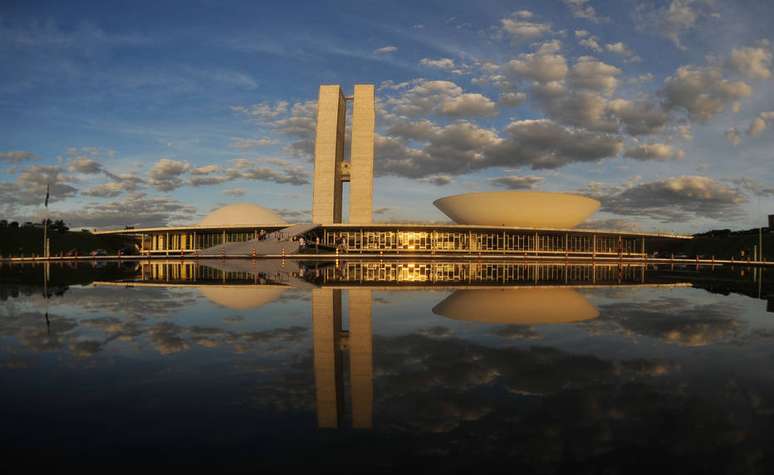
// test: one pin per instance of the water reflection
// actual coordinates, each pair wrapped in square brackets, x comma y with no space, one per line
[543,368]
[525,306]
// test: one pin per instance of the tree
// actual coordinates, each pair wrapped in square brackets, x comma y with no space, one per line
[14,225]
[3,223]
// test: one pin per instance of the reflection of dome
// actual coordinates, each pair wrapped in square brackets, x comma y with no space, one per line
[242,213]
[532,209]
[524,306]
[241,297]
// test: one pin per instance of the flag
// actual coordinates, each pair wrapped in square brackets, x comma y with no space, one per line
[46,203]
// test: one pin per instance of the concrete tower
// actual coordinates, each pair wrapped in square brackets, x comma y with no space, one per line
[330,169]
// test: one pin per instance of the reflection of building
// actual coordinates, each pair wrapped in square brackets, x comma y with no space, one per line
[507,223]
[518,306]
[330,342]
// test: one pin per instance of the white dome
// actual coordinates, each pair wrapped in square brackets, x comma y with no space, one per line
[242,213]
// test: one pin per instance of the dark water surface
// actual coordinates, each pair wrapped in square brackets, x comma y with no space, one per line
[377,366]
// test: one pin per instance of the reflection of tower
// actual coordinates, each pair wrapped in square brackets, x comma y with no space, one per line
[329,342]
[330,169]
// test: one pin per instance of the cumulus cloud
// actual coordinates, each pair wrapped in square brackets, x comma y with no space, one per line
[234,192]
[546,144]
[29,188]
[85,165]
[446,64]
[515,182]
[205,170]
[424,97]
[105,190]
[733,136]
[296,122]
[622,50]
[438,180]
[135,209]
[760,123]
[673,20]
[461,147]
[638,117]
[511,99]
[520,28]
[582,9]
[752,62]
[16,156]
[653,151]
[590,73]
[541,66]
[671,199]
[263,111]
[165,175]
[245,169]
[702,92]
[241,143]
[588,40]
[385,50]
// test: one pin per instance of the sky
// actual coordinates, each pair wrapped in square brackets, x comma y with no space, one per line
[155,113]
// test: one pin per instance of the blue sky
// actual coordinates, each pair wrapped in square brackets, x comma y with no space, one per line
[152,113]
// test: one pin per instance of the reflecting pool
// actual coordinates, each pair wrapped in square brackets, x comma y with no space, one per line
[444,366]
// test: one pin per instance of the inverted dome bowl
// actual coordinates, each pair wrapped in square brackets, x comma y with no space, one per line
[529,209]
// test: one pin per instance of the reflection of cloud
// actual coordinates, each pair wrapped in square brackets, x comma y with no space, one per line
[675,320]
[517,332]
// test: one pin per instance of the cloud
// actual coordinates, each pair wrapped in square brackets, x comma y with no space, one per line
[751,62]
[675,320]
[16,156]
[622,50]
[588,40]
[85,165]
[514,182]
[671,21]
[592,74]
[511,99]
[385,50]
[136,209]
[425,97]
[205,170]
[446,64]
[702,92]
[733,136]
[244,169]
[760,123]
[234,192]
[638,117]
[582,9]
[248,144]
[518,28]
[263,111]
[462,146]
[438,180]
[671,199]
[165,175]
[542,67]
[653,151]
[105,190]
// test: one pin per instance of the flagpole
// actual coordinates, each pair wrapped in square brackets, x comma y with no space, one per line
[45,225]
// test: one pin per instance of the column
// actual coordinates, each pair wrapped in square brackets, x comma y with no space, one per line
[362,157]
[361,351]
[328,155]
[326,325]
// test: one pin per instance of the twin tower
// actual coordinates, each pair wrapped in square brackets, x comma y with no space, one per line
[330,168]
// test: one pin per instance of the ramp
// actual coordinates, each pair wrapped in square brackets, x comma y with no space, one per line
[275,243]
